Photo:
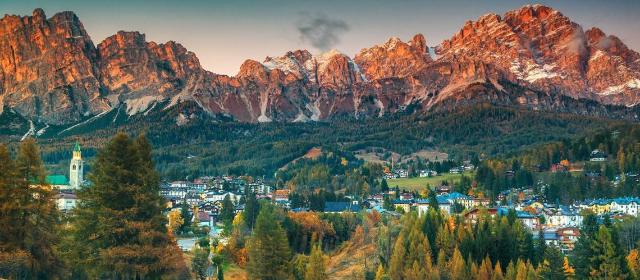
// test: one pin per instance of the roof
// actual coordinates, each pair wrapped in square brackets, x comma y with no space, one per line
[340,207]
[401,201]
[456,195]
[56,180]
[66,196]
[76,148]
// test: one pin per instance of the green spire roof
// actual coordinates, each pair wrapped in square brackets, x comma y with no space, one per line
[77,147]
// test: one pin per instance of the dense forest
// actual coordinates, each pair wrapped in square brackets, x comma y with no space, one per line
[213,146]
[578,177]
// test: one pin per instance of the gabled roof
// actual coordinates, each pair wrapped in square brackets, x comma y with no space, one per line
[340,207]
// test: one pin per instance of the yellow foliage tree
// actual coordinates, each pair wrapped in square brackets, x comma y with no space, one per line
[175,221]
[569,271]
[633,261]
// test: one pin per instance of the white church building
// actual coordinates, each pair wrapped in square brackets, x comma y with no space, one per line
[76,173]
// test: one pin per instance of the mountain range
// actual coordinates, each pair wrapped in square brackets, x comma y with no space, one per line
[51,72]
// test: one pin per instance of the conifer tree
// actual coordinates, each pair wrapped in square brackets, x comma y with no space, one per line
[521,270]
[532,274]
[569,271]
[497,272]
[511,272]
[396,265]
[28,216]
[415,272]
[456,266]
[550,267]
[381,274]
[315,266]
[268,247]
[485,270]
[118,229]
[633,262]
[605,262]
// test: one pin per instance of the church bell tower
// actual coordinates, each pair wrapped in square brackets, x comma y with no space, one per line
[76,168]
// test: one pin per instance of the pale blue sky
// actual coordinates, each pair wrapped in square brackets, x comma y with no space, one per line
[225,33]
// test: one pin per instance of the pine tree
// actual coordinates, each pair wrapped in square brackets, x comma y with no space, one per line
[268,247]
[415,272]
[227,213]
[485,270]
[251,209]
[550,268]
[497,272]
[569,271]
[605,261]
[532,274]
[381,274]
[200,262]
[14,258]
[521,270]
[119,230]
[28,215]
[457,267]
[315,266]
[396,265]
[511,272]
[633,262]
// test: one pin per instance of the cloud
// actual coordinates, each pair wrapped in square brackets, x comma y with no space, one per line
[605,43]
[578,42]
[321,31]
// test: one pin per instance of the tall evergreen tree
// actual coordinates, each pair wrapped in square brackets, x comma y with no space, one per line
[315,266]
[28,216]
[550,267]
[119,230]
[268,247]
[605,262]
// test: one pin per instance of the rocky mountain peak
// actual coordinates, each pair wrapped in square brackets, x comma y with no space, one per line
[51,70]
[394,58]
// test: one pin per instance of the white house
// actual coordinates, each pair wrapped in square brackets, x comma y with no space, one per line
[563,218]
[627,206]
[213,197]
[66,201]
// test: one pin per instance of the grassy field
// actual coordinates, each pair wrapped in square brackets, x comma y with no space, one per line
[416,184]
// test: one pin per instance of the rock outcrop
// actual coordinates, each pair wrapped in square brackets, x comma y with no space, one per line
[534,57]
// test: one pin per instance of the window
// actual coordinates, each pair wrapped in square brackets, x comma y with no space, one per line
[74,167]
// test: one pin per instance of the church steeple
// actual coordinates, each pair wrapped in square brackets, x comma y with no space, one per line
[76,168]
[77,153]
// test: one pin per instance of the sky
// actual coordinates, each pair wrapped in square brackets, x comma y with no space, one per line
[225,33]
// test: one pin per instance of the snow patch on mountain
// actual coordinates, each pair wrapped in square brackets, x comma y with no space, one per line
[140,104]
[315,111]
[286,64]
[32,131]
[631,84]
[301,117]
[532,72]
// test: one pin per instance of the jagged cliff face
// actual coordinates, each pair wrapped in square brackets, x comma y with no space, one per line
[539,48]
[533,57]
[48,67]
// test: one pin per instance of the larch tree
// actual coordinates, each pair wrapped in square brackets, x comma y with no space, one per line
[457,267]
[381,274]
[550,267]
[569,271]
[315,266]
[605,262]
[28,215]
[497,272]
[119,230]
[268,247]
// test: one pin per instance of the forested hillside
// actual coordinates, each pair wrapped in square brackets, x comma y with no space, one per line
[209,146]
